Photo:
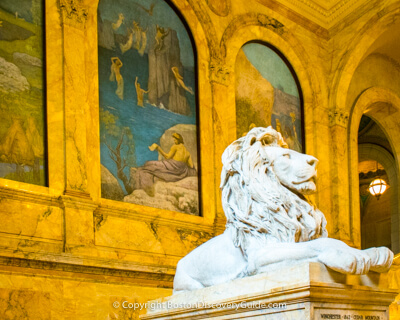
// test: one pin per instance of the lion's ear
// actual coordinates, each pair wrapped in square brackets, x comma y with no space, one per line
[268,139]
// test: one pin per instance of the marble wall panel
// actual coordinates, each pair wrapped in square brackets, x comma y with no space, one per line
[122,233]
[30,219]
[24,304]
[65,297]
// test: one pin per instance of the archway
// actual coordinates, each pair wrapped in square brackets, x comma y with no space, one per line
[382,106]
[374,222]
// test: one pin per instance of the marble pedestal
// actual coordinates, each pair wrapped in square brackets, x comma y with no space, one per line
[305,291]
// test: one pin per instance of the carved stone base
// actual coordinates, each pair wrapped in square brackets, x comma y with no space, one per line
[305,291]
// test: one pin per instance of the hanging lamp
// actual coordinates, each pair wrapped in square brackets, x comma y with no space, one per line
[378,186]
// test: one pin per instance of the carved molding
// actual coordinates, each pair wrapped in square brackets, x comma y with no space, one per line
[134,212]
[249,19]
[28,197]
[270,22]
[326,13]
[78,203]
[92,269]
[220,7]
[219,73]
[338,117]
[73,12]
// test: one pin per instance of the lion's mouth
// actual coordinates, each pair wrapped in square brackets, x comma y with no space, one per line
[311,179]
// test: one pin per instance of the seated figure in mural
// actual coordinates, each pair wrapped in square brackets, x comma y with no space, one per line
[178,164]
[116,65]
[270,222]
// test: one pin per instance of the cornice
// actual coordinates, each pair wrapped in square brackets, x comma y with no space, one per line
[323,12]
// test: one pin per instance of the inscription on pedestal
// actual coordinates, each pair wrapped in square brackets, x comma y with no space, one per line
[322,314]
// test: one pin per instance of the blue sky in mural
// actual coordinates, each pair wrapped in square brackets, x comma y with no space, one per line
[23,7]
[269,64]
[161,14]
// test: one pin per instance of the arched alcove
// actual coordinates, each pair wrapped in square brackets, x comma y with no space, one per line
[382,106]
[268,93]
[368,151]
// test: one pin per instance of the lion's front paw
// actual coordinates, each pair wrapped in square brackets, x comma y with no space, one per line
[381,258]
[346,261]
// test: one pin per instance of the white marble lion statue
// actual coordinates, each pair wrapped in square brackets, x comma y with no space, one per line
[270,223]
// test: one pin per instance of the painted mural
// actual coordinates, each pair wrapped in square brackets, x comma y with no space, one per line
[22,107]
[147,106]
[267,94]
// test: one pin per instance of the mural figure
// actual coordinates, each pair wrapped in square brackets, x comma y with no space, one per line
[292,139]
[127,45]
[149,11]
[140,93]
[178,164]
[179,80]
[160,35]
[143,37]
[278,126]
[120,20]
[116,65]
[138,34]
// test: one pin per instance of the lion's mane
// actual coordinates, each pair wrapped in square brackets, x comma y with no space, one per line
[256,204]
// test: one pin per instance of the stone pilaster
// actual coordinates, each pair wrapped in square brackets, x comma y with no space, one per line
[338,120]
[74,16]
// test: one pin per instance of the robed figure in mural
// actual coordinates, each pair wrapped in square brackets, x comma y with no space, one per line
[178,164]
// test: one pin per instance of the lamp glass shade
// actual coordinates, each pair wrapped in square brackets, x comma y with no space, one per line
[377,187]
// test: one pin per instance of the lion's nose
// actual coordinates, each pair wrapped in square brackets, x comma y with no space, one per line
[312,161]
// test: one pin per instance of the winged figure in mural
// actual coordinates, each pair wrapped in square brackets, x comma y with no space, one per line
[179,80]
[120,20]
[149,11]
[160,35]
[128,44]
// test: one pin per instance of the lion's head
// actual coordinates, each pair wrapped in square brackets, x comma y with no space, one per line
[263,186]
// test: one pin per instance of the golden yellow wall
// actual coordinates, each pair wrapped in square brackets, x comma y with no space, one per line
[66,248]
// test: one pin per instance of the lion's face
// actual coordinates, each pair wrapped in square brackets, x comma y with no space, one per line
[262,184]
[296,171]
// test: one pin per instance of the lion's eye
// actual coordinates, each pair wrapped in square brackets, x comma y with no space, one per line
[286,155]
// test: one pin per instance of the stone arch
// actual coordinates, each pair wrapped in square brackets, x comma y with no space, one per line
[202,33]
[382,106]
[360,45]
[259,27]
